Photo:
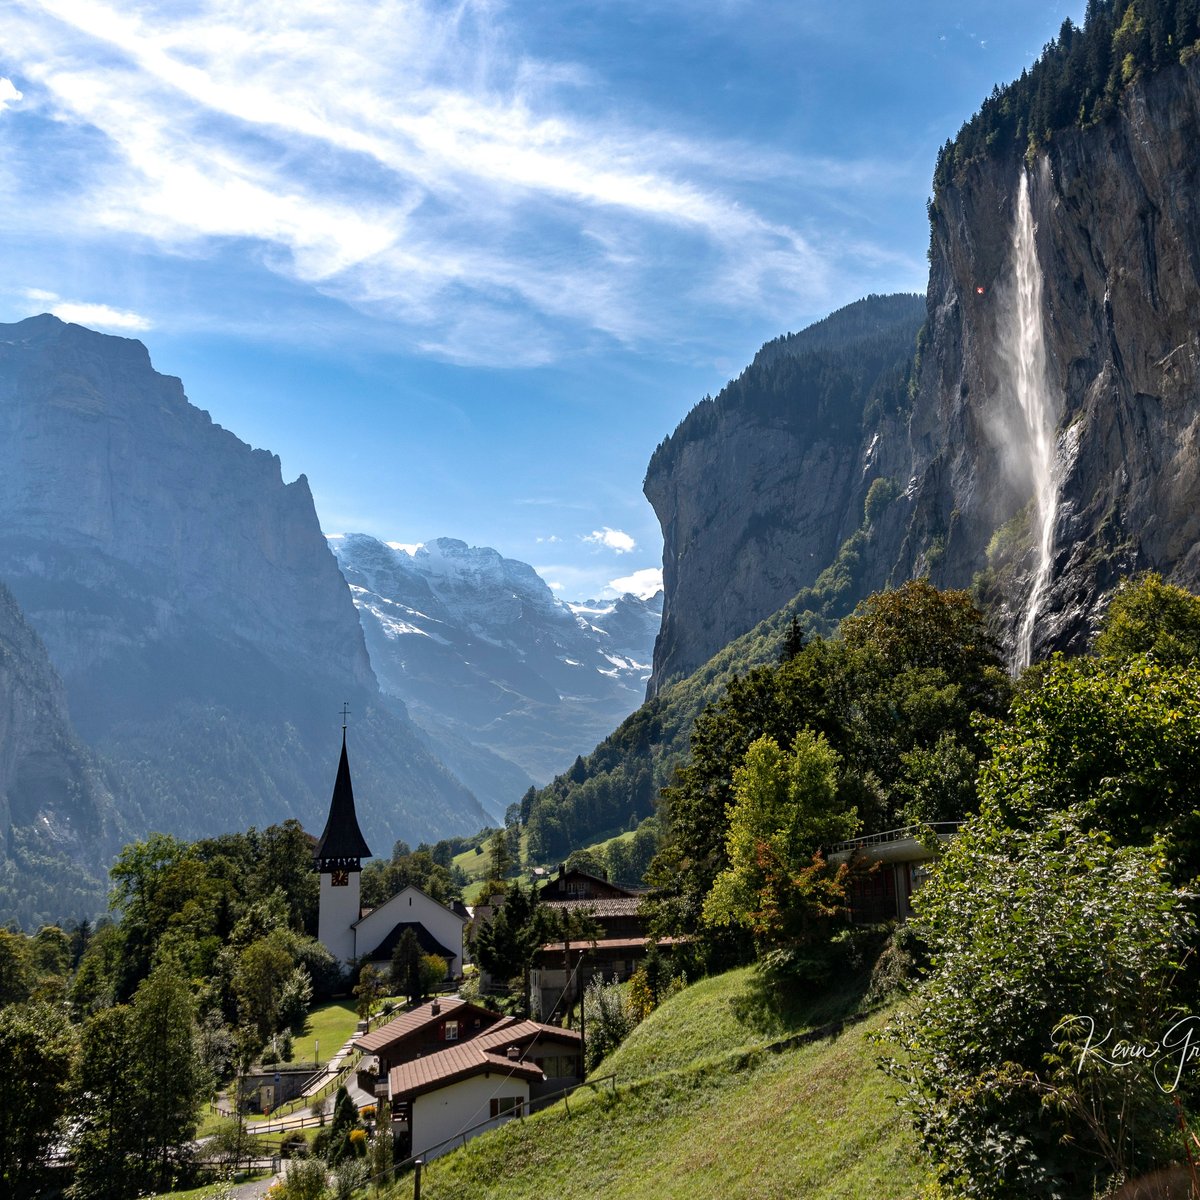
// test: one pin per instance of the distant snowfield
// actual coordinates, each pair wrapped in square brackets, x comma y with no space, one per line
[484,654]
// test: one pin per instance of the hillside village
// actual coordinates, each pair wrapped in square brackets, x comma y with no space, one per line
[569,1027]
[891,887]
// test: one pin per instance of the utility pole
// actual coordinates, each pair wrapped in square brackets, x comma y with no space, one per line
[582,1020]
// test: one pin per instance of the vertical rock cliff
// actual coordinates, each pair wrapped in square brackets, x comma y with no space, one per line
[189,601]
[758,488]
[57,821]
[1117,212]
[756,496]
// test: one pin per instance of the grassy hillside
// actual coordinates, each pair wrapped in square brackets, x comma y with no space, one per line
[702,1110]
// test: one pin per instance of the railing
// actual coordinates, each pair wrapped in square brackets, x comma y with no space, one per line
[263,1124]
[941,828]
[464,1135]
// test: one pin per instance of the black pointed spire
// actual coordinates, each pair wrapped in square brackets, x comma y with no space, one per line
[342,845]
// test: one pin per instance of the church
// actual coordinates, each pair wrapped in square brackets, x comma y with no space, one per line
[352,935]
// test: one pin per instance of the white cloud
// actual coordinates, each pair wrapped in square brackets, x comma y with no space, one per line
[554,585]
[549,541]
[453,189]
[8,93]
[409,548]
[95,316]
[643,583]
[613,539]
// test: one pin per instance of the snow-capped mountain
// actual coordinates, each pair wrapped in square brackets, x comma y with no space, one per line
[481,650]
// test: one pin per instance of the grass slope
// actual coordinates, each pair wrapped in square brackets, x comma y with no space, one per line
[703,1110]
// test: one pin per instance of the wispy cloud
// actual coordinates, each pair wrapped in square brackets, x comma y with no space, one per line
[410,159]
[98,316]
[612,539]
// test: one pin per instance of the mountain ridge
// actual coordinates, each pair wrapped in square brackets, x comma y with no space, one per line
[188,600]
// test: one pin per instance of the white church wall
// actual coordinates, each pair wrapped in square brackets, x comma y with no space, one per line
[411,904]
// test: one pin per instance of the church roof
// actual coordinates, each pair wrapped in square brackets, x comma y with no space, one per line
[428,943]
[342,838]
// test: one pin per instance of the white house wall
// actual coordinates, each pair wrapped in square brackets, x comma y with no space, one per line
[440,1118]
[412,905]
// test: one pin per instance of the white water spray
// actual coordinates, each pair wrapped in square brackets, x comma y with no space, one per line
[1035,403]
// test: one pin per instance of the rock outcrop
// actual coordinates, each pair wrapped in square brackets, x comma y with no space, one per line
[754,506]
[758,488]
[189,601]
[1117,210]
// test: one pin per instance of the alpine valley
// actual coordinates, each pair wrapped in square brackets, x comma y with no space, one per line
[177,640]
[1029,429]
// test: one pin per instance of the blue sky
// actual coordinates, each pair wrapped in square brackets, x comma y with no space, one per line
[466,264]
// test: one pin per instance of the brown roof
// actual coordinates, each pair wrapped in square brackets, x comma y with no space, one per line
[408,1023]
[515,1031]
[449,1066]
[613,944]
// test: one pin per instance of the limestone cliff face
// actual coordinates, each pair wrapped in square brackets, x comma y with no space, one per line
[103,462]
[757,489]
[752,508]
[1117,208]
[189,601]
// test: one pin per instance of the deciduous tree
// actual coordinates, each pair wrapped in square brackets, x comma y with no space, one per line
[37,1048]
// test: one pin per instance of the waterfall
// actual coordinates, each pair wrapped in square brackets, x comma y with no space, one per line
[1035,417]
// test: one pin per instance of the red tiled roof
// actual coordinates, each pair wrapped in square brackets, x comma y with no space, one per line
[408,1023]
[449,1066]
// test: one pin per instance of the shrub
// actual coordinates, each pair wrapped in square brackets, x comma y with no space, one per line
[305,1180]
[1038,937]
[609,1019]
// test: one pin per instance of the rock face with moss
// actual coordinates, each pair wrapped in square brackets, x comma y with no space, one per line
[758,488]
[1117,212]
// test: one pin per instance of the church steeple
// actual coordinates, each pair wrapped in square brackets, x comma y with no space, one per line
[342,846]
[338,857]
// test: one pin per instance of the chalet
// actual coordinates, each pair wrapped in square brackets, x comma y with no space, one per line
[423,1030]
[352,935]
[899,860]
[562,970]
[440,1099]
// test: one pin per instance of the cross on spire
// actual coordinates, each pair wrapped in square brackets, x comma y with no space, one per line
[345,713]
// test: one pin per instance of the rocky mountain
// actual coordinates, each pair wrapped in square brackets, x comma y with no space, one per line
[190,604]
[1041,442]
[58,825]
[1049,443]
[758,488]
[1116,238]
[484,655]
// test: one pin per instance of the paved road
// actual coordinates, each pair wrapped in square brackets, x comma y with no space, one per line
[252,1191]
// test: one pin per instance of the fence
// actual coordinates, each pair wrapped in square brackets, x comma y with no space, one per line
[275,1122]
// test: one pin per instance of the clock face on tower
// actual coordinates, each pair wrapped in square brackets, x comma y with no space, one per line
[339,878]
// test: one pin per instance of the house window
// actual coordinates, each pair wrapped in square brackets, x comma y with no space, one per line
[507,1106]
[452,1031]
